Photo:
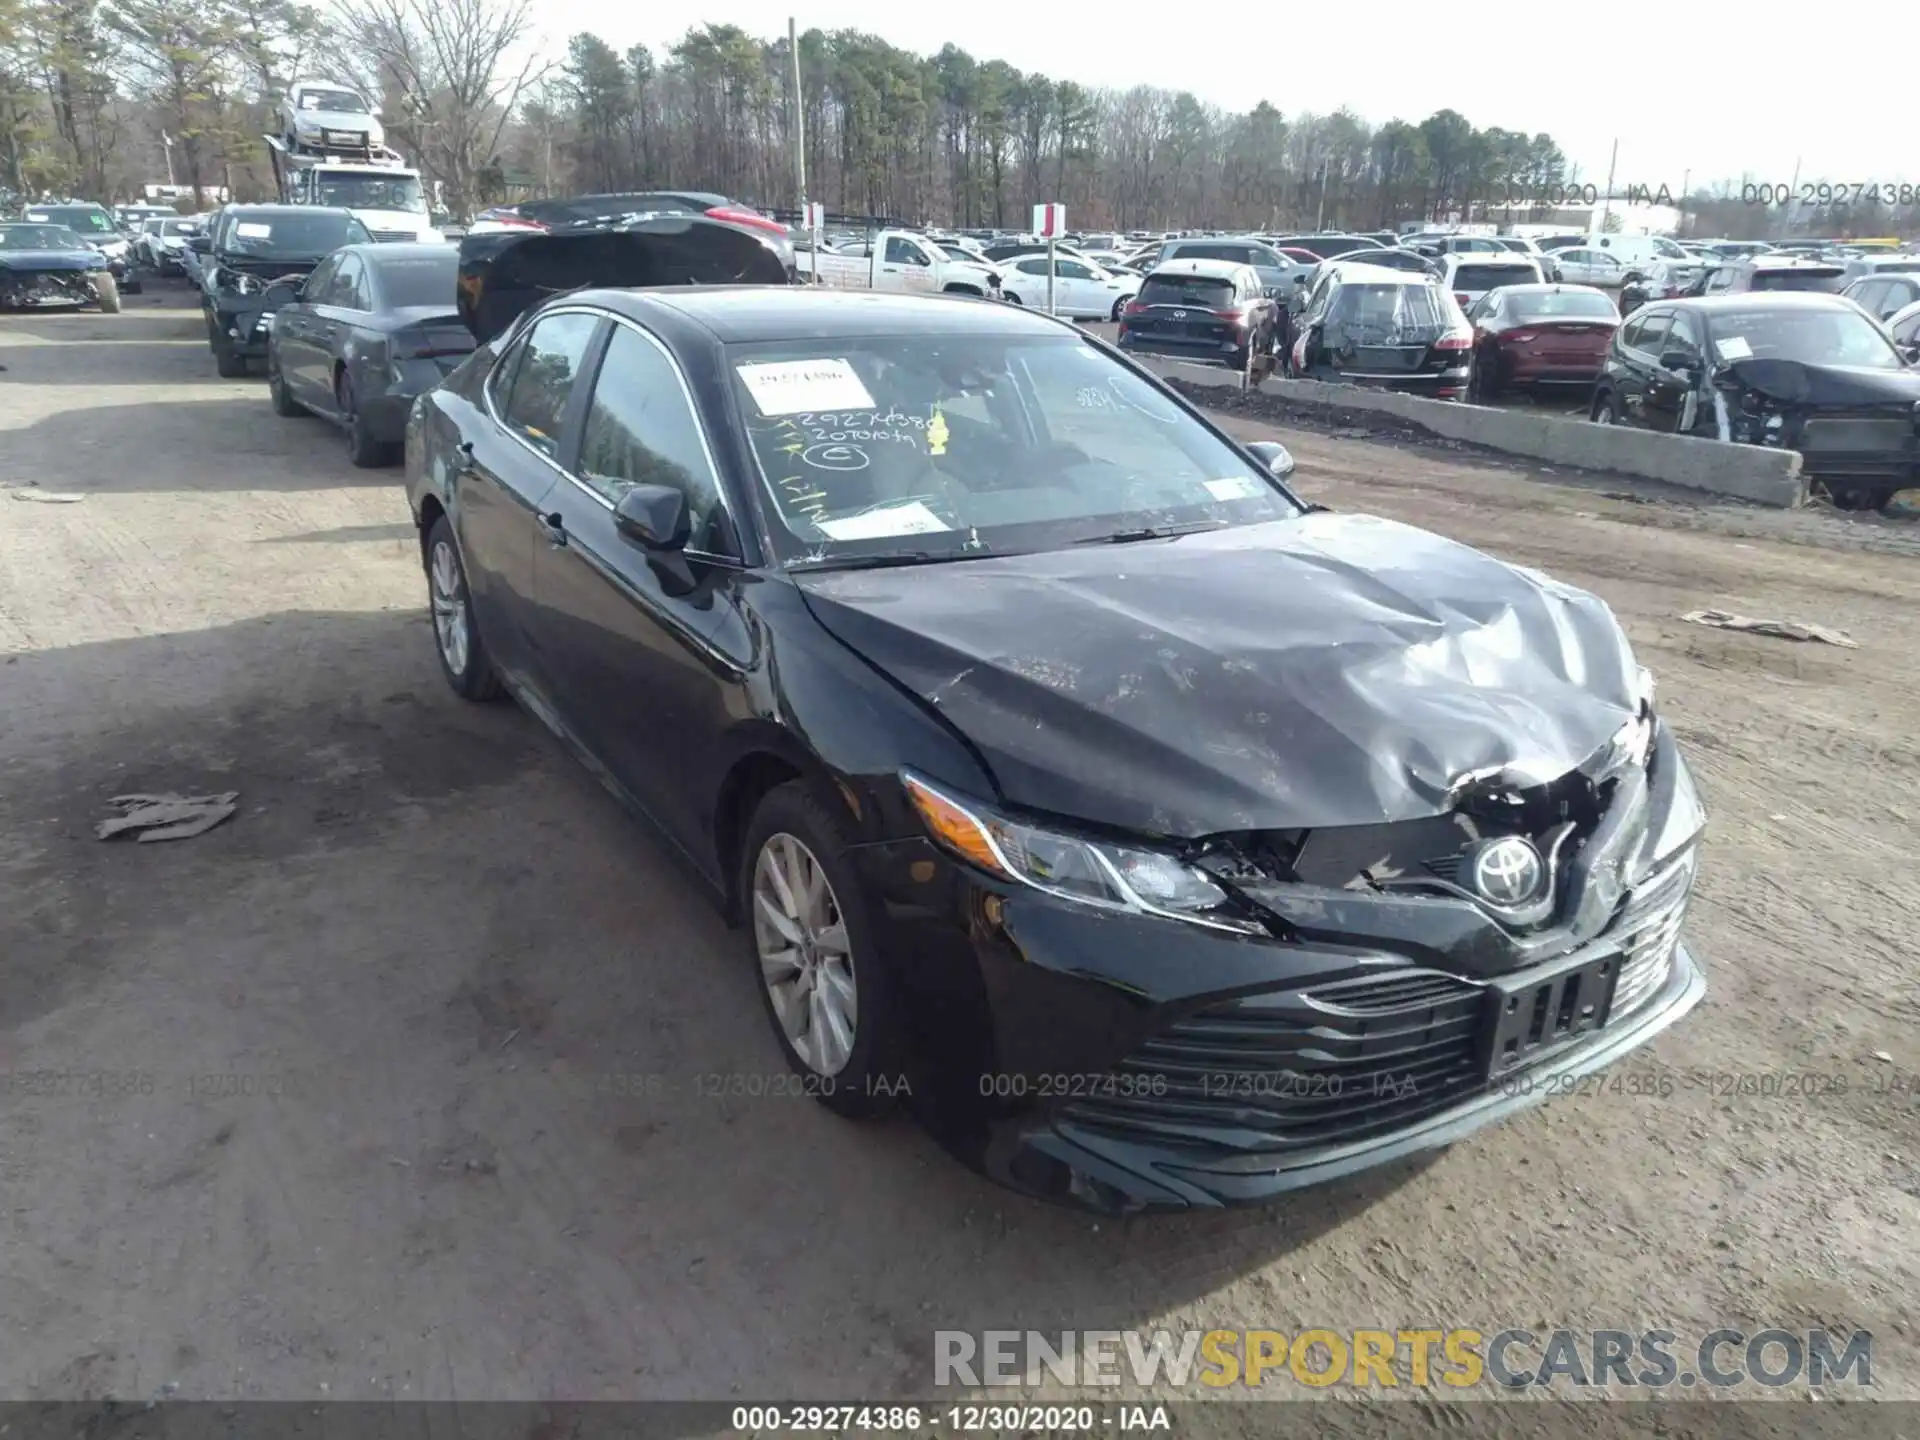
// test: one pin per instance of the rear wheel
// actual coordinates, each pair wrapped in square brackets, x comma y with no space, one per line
[363,449]
[1118,306]
[277,391]
[463,655]
[1606,410]
[1010,297]
[107,290]
[1483,383]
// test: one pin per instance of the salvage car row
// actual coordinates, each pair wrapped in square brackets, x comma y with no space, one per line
[1119,816]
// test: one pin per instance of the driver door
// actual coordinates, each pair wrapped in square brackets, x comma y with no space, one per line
[294,332]
[905,266]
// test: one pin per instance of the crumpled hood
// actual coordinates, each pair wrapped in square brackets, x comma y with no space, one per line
[1823,387]
[51,260]
[1330,670]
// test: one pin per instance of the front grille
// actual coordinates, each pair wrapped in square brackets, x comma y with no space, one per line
[1649,931]
[1279,1072]
[389,237]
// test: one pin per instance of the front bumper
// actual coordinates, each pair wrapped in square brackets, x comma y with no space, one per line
[1121,1062]
[246,331]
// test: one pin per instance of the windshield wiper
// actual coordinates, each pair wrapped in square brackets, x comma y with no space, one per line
[884,558]
[1145,532]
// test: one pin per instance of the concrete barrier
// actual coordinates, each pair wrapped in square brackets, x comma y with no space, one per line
[1747,472]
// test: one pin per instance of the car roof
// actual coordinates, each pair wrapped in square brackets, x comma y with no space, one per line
[1460,259]
[407,250]
[1552,287]
[1904,313]
[1787,262]
[1747,299]
[269,208]
[1200,265]
[1359,272]
[737,314]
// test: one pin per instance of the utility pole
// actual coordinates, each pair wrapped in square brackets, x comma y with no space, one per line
[1793,190]
[799,123]
[1607,198]
[1320,219]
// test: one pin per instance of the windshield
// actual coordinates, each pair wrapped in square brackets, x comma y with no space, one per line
[179,227]
[86,219]
[286,233]
[370,192]
[1474,278]
[1387,315]
[1205,292]
[39,237]
[967,445]
[417,279]
[1812,278]
[1549,303]
[1813,337]
[343,102]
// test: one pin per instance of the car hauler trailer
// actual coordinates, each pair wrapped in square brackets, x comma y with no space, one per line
[374,182]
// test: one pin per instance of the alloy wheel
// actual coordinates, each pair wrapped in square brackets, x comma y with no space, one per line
[449,608]
[806,959]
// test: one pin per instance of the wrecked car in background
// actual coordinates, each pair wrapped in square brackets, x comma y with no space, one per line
[1795,370]
[255,260]
[50,265]
[1182,842]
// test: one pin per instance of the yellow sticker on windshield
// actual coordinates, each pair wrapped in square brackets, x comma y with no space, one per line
[937,434]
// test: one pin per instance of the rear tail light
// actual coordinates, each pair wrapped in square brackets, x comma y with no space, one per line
[1463,297]
[1523,336]
[1454,340]
[1133,307]
[1232,317]
[734,215]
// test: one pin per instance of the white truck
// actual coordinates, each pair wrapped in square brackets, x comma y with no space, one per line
[375,183]
[897,260]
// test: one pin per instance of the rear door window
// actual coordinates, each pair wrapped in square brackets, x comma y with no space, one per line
[1203,292]
[534,403]
[1489,277]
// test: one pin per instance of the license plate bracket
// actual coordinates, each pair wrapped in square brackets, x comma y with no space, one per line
[1528,1016]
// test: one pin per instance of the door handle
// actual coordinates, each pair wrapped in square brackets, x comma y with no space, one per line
[555,524]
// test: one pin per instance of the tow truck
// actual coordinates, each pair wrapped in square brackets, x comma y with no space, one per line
[373,181]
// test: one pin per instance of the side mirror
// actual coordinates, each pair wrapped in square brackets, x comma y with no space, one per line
[1678,361]
[1912,352]
[654,516]
[200,244]
[1274,456]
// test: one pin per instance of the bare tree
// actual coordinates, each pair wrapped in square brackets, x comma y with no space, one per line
[452,73]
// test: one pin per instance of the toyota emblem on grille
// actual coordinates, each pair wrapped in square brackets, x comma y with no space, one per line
[1507,872]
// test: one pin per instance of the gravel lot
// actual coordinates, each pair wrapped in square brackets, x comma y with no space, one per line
[350,1107]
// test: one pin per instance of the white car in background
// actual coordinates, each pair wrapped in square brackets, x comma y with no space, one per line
[1082,290]
[1470,274]
[1581,265]
[324,115]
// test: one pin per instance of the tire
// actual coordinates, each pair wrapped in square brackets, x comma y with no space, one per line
[277,391]
[1240,360]
[1483,388]
[1113,316]
[226,363]
[1606,410]
[1010,297]
[792,833]
[363,450]
[456,639]
[107,289]
[134,286]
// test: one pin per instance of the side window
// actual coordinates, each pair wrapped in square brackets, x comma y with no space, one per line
[1869,294]
[1653,334]
[348,280]
[320,281]
[901,251]
[1720,281]
[533,403]
[1684,336]
[1317,305]
[1033,266]
[1628,335]
[1072,269]
[1907,332]
[641,430]
[1490,306]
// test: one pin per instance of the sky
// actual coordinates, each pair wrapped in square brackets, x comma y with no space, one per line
[1707,92]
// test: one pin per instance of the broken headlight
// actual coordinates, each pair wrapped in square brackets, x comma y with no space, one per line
[241,283]
[1093,872]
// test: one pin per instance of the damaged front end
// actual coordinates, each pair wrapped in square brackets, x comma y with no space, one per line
[56,280]
[1858,432]
[246,298]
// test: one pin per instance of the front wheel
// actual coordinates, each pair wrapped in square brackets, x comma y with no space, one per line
[812,941]
[107,291]
[1010,297]
[277,391]
[463,655]
[228,364]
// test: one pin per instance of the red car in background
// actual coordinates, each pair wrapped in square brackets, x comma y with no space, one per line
[1530,335]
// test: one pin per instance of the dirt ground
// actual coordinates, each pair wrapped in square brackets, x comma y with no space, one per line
[391,1086]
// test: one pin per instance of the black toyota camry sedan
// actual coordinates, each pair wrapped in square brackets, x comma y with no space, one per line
[1172,842]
